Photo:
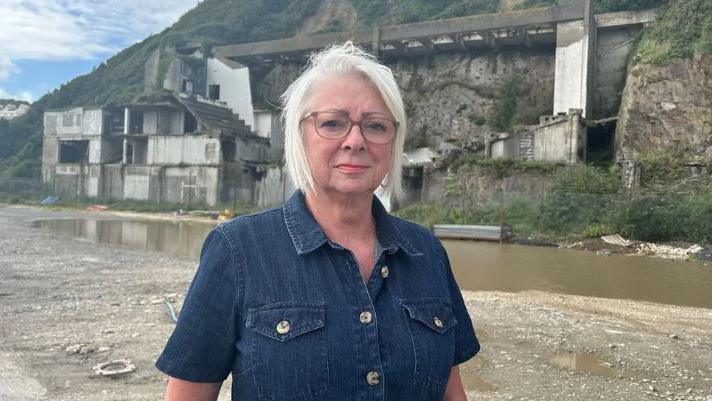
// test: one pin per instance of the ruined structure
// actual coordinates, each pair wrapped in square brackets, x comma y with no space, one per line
[186,144]
[571,66]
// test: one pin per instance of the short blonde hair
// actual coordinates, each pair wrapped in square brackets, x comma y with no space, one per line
[343,59]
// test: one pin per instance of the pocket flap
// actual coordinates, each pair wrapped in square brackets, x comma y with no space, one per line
[286,320]
[435,313]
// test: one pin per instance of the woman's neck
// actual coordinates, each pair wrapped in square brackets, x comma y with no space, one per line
[344,219]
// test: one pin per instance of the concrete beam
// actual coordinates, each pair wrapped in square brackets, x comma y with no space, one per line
[404,32]
[626,18]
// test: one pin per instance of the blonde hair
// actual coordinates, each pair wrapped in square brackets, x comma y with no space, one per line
[343,59]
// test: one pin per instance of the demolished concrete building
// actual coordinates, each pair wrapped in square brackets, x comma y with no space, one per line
[173,146]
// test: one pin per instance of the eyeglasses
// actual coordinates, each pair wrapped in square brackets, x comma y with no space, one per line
[335,125]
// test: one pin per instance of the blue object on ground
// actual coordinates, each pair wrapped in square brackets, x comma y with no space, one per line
[50,200]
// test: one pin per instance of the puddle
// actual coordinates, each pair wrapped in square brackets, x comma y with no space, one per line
[470,379]
[584,363]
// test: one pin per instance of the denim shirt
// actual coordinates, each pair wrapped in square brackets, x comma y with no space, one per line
[286,311]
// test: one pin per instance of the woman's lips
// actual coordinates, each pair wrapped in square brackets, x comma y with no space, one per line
[351,168]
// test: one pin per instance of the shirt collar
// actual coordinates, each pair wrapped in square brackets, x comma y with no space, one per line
[307,235]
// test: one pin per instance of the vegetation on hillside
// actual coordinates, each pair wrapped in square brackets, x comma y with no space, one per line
[684,28]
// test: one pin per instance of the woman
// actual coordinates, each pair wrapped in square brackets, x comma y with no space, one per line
[327,297]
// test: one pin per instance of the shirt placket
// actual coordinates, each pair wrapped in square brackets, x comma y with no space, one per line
[372,382]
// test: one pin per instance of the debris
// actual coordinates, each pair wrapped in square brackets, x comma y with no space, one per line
[171,309]
[50,200]
[667,251]
[116,367]
[604,252]
[227,214]
[616,240]
[97,208]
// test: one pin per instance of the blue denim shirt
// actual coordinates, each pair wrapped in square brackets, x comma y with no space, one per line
[286,311]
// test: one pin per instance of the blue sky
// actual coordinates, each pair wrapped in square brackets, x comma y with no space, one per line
[44,43]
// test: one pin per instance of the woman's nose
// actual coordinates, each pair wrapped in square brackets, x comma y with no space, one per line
[354,139]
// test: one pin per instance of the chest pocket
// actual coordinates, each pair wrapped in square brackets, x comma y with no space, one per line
[430,321]
[288,352]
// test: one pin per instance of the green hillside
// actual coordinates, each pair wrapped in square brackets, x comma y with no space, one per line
[216,22]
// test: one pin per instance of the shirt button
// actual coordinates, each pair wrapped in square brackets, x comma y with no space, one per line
[384,271]
[438,322]
[373,378]
[365,317]
[283,327]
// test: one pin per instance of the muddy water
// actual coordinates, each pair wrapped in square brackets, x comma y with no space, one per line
[177,238]
[487,266]
[477,265]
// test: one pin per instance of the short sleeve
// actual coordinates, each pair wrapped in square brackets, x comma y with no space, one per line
[466,344]
[202,346]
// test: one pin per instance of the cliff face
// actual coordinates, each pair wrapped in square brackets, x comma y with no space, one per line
[450,97]
[666,106]
[12,109]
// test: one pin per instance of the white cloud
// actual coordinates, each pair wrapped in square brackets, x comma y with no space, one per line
[7,67]
[81,29]
[24,95]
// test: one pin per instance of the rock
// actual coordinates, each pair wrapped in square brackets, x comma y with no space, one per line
[103,349]
[73,349]
[674,337]
[604,252]
[86,349]
[704,254]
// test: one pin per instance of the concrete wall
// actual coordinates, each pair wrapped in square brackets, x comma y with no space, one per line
[480,190]
[234,84]
[263,123]
[136,182]
[93,122]
[95,145]
[571,70]
[150,122]
[505,146]
[613,50]
[563,139]
[50,155]
[173,150]
[190,185]
[274,188]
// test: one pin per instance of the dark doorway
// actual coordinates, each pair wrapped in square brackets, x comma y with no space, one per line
[190,124]
[214,92]
[600,142]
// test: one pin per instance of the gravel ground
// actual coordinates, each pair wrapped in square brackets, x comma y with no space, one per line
[67,305]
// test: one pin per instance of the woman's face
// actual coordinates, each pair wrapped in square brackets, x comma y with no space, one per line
[350,165]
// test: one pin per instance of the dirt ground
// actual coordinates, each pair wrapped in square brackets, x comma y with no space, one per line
[67,305]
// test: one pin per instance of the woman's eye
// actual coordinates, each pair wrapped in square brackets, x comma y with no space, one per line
[375,126]
[332,124]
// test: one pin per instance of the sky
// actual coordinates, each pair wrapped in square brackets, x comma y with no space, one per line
[44,43]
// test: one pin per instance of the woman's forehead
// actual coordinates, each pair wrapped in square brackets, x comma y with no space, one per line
[336,93]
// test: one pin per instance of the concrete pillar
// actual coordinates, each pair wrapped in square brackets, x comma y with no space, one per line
[127,121]
[127,129]
[573,73]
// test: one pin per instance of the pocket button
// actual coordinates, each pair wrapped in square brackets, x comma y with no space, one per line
[365,317]
[283,327]
[438,323]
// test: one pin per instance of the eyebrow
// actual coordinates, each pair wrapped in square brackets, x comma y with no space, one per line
[366,114]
